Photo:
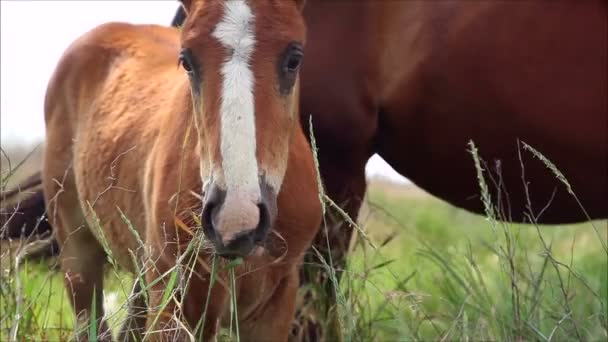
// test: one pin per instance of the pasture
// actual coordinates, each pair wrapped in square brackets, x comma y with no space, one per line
[424,271]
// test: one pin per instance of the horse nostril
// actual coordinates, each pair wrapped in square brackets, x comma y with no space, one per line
[207,220]
[259,234]
[213,200]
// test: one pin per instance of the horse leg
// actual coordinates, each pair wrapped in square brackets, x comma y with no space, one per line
[85,283]
[274,322]
[135,324]
[169,324]
[163,319]
[82,260]
[166,321]
[81,256]
[346,186]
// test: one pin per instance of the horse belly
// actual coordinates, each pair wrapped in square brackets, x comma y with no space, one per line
[488,85]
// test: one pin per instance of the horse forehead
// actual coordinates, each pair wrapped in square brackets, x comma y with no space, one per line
[235,29]
[232,23]
[266,19]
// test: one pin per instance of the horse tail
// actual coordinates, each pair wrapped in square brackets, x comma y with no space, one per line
[23,215]
[179,18]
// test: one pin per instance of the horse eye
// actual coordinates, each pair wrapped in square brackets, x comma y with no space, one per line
[293,62]
[186,65]
[185,60]
[288,65]
[293,58]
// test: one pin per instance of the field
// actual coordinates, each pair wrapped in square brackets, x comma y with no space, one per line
[429,272]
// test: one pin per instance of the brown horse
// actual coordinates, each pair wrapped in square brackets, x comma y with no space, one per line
[416,80]
[130,132]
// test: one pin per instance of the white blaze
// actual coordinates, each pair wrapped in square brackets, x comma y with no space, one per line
[237,136]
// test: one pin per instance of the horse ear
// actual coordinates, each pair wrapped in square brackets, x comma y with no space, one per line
[300,4]
[186,4]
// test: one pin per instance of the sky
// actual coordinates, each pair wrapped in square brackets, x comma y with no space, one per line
[30,50]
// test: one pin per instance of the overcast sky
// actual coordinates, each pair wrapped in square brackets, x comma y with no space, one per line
[30,50]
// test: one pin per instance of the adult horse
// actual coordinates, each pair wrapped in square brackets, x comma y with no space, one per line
[132,135]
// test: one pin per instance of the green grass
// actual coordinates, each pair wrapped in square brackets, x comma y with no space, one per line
[420,270]
[457,285]
[440,276]
[45,311]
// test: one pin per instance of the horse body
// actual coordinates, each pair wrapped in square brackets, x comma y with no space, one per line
[507,71]
[419,79]
[415,81]
[90,116]
[128,132]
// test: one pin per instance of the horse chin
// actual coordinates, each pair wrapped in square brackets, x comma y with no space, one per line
[256,252]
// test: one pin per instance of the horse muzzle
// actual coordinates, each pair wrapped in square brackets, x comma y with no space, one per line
[236,221]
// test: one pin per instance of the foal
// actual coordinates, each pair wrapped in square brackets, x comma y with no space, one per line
[132,139]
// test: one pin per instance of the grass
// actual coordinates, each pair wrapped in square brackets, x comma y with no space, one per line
[423,270]
[442,276]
